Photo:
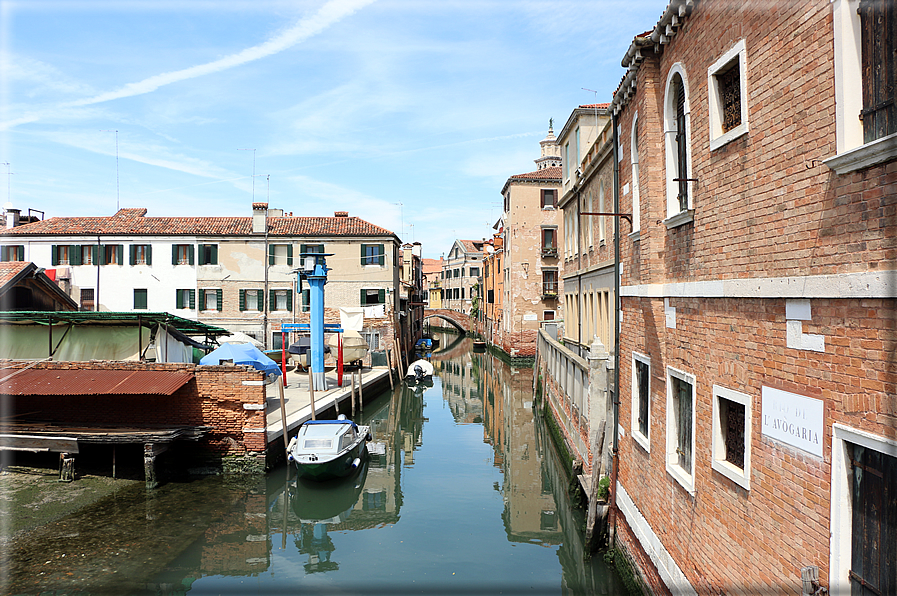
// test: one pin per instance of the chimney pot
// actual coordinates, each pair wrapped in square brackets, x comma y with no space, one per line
[340,214]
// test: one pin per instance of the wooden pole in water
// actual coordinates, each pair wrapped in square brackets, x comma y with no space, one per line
[311,392]
[389,368]
[597,458]
[283,416]
[353,393]
[360,395]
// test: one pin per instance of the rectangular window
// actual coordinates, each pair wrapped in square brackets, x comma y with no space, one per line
[65,255]
[252,300]
[281,299]
[474,272]
[726,80]
[680,427]
[549,282]
[211,299]
[185,299]
[280,254]
[549,242]
[641,400]
[12,253]
[181,254]
[373,339]
[306,300]
[314,249]
[547,315]
[549,198]
[878,23]
[113,254]
[490,296]
[141,254]
[87,300]
[372,296]
[140,299]
[208,254]
[373,254]
[873,491]
[731,445]
[90,254]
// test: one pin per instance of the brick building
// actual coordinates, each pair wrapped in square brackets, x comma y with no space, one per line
[757,389]
[462,269]
[531,227]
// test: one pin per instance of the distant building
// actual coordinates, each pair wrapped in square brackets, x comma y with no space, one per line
[461,270]
[234,272]
[432,272]
[531,227]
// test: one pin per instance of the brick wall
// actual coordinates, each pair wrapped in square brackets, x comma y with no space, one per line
[214,397]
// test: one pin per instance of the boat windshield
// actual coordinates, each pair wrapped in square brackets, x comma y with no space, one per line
[318,443]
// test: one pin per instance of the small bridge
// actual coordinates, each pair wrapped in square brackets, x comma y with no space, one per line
[458,320]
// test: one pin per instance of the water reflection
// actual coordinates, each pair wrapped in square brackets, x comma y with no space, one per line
[466,495]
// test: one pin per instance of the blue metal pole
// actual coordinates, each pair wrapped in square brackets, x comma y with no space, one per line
[316,282]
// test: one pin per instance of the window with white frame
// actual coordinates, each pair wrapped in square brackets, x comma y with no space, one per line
[280,254]
[181,254]
[727,85]
[281,299]
[636,207]
[641,400]
[211,299]
[680,427]
[252,300]
[677,146]
[864,65]
[864,482]
[731,443]
[12,253]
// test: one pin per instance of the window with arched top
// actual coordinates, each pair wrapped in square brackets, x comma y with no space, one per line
[677,145]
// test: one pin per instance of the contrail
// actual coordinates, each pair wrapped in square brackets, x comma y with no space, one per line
[332,12]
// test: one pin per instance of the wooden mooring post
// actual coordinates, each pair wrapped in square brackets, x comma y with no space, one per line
[596,513]
[66,467]
[311,395]
[389,368]
[150,451]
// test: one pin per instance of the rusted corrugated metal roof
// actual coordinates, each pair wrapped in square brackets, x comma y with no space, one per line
[91,382]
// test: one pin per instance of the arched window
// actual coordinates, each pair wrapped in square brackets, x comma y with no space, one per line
[677,143]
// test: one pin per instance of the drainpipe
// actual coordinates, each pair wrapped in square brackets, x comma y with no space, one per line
[96,298]
[265,296]
[615,453]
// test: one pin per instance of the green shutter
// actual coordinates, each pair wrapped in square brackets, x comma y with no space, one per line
[192,298]
[119,253]
[271,254]
[381,296]
[242,300]
[75,255]
[382,255]
[202,255]
[202,299]
[21,252]
[219,298]
[178,299]
[214,254]
[261,299]
[363,263]
[289,254]
[149,254]
[271,303]
[54,255]
[190,259]
[174,254]
[303,248]
[95,249]
[290,300]
[132,254]
[364,296]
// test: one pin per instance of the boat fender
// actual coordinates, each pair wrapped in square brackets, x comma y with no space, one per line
[368,437]
[356,462]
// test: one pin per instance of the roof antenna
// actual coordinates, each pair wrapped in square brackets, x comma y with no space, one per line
[253,171]
[117,190]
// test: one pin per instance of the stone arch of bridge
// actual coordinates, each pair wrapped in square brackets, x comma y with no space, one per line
[458,320]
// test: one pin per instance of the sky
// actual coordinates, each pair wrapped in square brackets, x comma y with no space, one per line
[410,114]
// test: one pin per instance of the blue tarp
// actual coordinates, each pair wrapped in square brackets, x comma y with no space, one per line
[242,354]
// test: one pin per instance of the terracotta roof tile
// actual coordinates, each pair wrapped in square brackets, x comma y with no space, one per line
[553,173]
[10,269]
[133,223]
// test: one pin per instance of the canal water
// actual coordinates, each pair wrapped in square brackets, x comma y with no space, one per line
[466,497]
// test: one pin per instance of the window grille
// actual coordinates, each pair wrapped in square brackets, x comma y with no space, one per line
[734,420]
[730,91]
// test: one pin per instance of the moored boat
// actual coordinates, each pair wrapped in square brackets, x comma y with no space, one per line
[419,372]
[326,449]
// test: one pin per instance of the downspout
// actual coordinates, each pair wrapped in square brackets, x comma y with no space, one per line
[615,452]
[579,268]
[96,298]
[265,295]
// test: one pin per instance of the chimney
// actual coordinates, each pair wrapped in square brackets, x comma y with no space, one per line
[340,214]
[259,218]
[12,217]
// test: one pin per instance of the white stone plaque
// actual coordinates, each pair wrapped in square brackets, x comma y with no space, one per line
[793,419]
[531,317]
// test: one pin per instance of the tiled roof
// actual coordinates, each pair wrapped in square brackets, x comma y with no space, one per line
[132,222]
[431,265]
[472,245]
[552,173]
[10,269]
[600,106]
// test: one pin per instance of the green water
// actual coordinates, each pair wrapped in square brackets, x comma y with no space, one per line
[467,498]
